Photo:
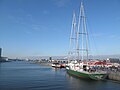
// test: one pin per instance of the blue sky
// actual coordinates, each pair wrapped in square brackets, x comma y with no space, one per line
[42,27]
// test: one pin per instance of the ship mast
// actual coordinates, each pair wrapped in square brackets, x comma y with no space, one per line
[79,37]
[72,37]
[84,35]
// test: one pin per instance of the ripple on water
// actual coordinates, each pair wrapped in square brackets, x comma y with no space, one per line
[27,76]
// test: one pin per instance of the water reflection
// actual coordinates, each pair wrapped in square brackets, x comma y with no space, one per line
[27,76]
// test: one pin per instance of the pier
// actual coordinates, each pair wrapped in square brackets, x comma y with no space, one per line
[114,75]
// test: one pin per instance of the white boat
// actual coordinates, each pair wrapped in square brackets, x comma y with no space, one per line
[56,65]
[78,53]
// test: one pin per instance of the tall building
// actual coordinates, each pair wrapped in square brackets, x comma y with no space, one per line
[0,52]
[50,58]
[2,59]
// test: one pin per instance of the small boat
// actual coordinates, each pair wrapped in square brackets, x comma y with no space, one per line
[78,54]
[56,65]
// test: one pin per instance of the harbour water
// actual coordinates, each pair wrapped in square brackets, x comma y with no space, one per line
[22,75]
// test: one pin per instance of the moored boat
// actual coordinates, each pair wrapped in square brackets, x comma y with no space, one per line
[86,72]
[87,75]
[78,54]
[56,65]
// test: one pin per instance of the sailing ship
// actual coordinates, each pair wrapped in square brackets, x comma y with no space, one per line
[78,62]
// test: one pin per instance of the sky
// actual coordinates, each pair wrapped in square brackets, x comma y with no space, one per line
[42,27]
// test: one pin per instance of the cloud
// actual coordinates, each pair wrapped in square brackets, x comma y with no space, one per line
[28,32]
[45,12]
[118,19]
[114,37]
[108,36]
[29,16]
[96,34]
[61,3]
[36,27]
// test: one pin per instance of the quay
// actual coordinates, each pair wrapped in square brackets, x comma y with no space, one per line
[113,72]
[114,75]
[50,62]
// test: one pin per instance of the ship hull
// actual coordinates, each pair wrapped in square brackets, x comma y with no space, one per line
[91,76]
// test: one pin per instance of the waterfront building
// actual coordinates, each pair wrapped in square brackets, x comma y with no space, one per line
[50,58]
[113,60]
[2,59]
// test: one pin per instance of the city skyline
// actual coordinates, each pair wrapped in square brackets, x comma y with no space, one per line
[42,27]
